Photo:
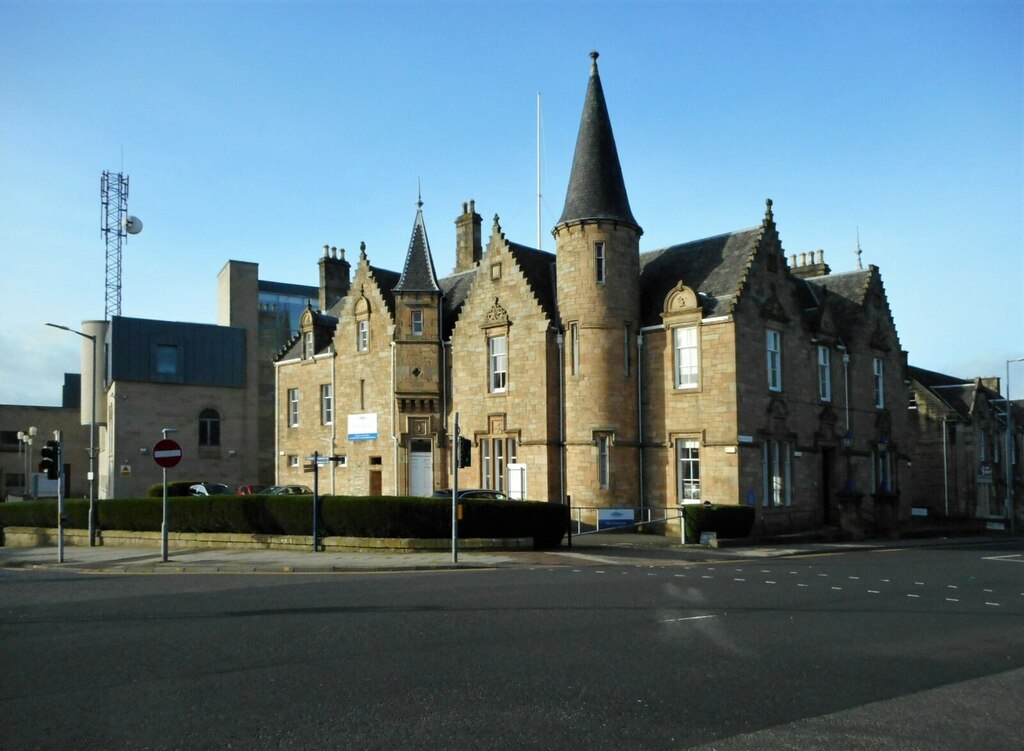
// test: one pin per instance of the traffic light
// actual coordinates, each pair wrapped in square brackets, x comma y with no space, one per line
[50,463]
[465,453]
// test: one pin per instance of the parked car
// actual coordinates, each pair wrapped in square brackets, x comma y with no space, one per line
[288,490]
[474,494]
[250,489]
[208,488]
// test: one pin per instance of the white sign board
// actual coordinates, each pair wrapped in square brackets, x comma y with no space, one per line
[517,482]
[362,427]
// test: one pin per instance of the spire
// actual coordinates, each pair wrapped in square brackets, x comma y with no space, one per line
[596,188]
[418,274]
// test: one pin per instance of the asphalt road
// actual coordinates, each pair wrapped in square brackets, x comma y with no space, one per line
[906,649]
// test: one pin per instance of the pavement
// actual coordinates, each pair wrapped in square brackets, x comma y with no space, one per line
[593,550]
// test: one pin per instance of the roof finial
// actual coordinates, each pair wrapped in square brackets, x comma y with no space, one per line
[768,215]
[419,195]
[362,251]
[593,62]
[860,266]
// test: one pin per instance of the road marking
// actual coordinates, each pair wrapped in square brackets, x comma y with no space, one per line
[807,585]
[920,584]
[688,618]
[1008,558]
[989,591]
[952,599]
[993,604]
[913,595]
[952,586]
[855,578]
[768,581]
[873,592]
[836,587]
[739,580]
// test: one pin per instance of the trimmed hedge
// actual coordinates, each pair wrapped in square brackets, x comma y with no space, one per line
[723,520]
[344,516]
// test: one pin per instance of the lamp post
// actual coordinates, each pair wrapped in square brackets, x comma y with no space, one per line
[1008,455]
[27,438]
[848,446]
[92,432]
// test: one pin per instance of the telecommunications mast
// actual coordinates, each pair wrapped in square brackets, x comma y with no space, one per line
[115,226]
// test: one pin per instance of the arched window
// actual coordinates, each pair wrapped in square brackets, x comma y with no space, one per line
[209,428]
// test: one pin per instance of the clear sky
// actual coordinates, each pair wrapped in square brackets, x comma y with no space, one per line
[259,131]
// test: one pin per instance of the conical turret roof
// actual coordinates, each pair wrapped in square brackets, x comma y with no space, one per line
[418,274]
[596,188]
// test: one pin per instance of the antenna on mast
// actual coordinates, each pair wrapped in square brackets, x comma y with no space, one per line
[115,226]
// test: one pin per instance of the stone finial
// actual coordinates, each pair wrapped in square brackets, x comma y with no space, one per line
[768,210]
[362,251]
[497,223]
[593,62]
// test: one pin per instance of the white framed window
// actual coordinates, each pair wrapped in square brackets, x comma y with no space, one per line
[293,408]
[773,349]
[824,374]
[775,463]
[497,364]
[417,323]
[363,336]
[603,461]
[599,262]
[293,460]
[878,368]
[307,345]
[687,357]
[486,474]
[688,469]
[326,403]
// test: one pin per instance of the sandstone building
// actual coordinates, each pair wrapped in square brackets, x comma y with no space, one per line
[602,375]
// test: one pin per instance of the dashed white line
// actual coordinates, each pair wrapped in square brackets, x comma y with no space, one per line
[913,595]
[688,618]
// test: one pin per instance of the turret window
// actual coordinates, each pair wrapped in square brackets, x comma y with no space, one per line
[417,323]
[599,262]
[603,461]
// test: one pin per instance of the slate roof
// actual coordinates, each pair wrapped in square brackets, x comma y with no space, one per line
[418,274]
[846,296]
[455,289]
[596,188]
[713,267]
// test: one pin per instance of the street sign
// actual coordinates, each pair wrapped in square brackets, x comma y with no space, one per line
[167,453]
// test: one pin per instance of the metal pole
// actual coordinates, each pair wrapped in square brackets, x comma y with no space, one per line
[92,452]
[316,493]
[163,522]
[60,496]
[455,492]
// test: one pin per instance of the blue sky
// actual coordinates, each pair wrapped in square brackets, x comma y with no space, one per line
[260,131]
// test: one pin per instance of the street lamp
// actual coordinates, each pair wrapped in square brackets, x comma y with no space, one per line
[92,432]
[1009,456]
[848,445]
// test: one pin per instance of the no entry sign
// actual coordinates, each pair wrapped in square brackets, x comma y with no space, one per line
[167,453]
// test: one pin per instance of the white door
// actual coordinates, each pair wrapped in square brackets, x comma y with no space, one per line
[421,472]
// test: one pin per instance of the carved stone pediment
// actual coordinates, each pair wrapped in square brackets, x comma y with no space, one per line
[496,316]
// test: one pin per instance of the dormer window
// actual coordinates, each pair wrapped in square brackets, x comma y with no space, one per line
[308,346]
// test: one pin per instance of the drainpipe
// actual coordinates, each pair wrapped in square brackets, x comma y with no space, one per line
[640,418]
[394,436]
[560,341]
[334,412]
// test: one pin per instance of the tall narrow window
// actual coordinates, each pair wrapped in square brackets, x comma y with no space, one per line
[574,348]
[362,394]
[293,408]
[881,470]
[603,461]
[879,376]
[776,473]
[687,360]
[307,345]
[688,460]
[627,349]
[499,464]
[773,347]
[209,428]
[497,363]
[363,336]
[485,465]
[824,374]
[599,262]
[417,323]
[327,403]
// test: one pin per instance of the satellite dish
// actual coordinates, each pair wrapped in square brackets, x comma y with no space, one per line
[132,225]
